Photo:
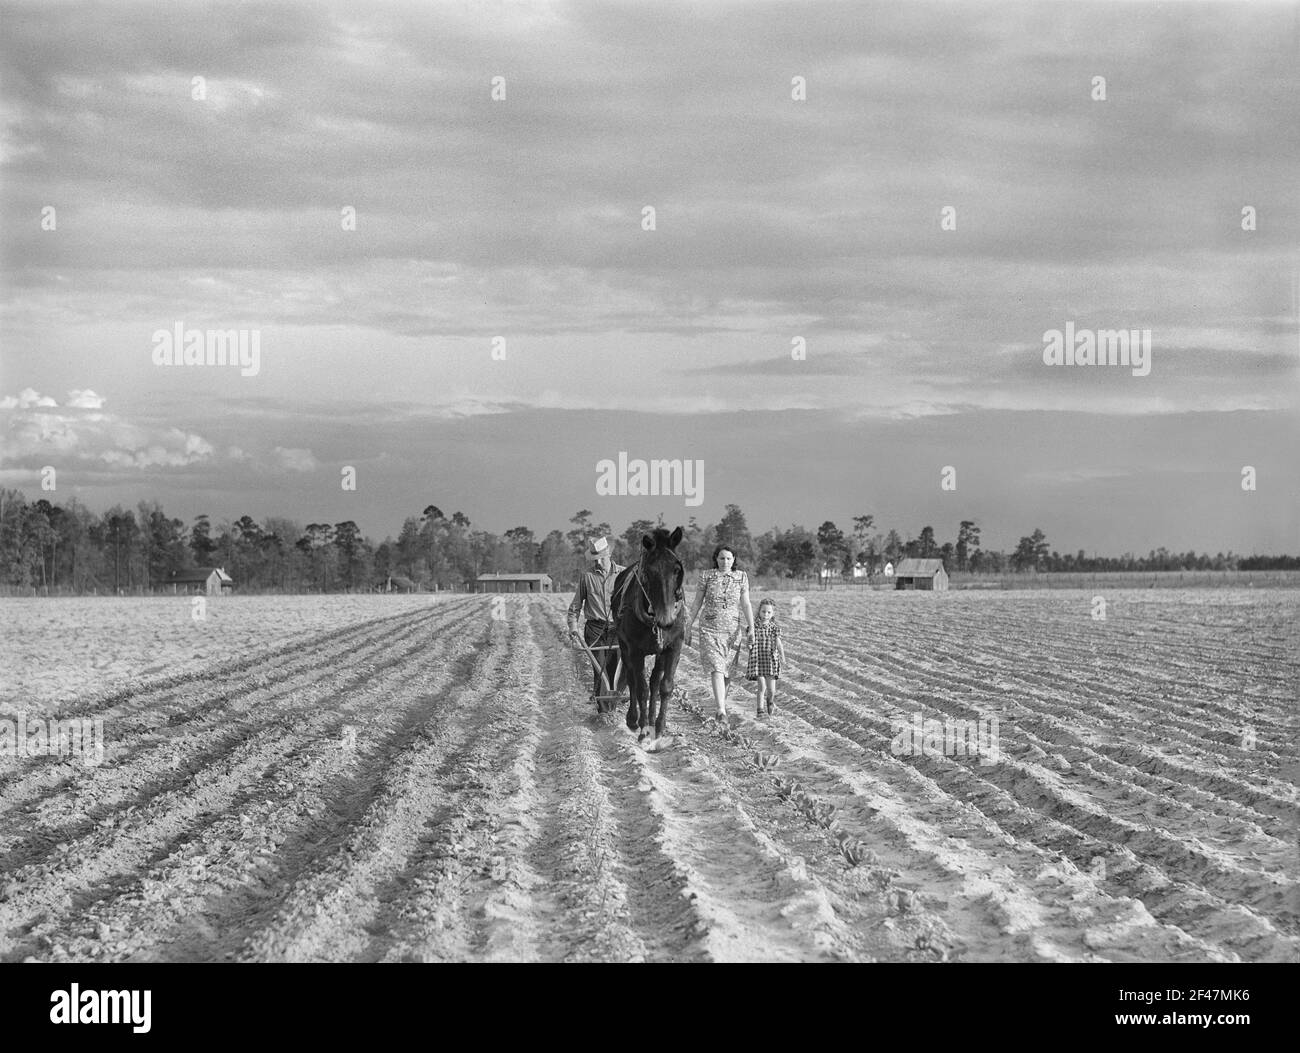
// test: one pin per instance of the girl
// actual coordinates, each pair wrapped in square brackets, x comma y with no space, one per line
[766,656]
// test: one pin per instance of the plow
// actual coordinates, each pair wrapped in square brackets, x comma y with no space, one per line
[607,697]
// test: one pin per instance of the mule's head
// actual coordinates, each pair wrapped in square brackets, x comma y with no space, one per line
[663,576]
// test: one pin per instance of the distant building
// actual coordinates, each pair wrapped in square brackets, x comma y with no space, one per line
[889,570]
[926,574]
[214,581]
[514,583]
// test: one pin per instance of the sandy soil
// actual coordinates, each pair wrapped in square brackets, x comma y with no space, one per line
[423,782]
[62,650]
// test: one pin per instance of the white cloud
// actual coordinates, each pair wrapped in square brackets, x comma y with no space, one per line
[87,399]
[295,460]
[176,449]
[26,399]
[634,400]
[36,429]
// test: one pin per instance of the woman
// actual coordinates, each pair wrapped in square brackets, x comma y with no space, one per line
[723,593]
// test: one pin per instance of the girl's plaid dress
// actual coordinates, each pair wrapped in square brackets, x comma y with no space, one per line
[763,659]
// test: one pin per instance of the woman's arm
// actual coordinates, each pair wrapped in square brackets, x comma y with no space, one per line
[745,604]
[700,589]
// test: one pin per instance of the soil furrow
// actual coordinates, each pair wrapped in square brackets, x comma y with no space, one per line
[98,866]
[335,911]
[1029,806]
[641,887]
[1153,797]
[168,760]
[208,706]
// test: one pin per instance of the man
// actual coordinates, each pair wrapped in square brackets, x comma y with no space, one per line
[592,600]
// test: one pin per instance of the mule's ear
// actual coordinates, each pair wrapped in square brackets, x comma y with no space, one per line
[647,542]
[676,538]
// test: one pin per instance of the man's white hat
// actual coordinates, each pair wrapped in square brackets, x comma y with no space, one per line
[597,545]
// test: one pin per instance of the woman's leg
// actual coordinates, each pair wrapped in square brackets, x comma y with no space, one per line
[720,692]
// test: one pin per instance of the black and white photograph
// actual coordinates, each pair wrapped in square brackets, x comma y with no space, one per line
[573,481]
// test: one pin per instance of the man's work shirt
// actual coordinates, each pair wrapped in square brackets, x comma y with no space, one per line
[593,596]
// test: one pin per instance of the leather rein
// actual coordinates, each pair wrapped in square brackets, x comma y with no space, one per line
[648,619]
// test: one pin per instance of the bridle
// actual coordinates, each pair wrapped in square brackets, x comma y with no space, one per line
[648,618]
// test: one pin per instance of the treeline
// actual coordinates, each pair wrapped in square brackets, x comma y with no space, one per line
[68,548]
[800,553]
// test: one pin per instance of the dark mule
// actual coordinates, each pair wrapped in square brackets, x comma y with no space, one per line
[650,618]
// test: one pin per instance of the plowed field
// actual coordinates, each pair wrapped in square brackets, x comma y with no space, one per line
[428,782]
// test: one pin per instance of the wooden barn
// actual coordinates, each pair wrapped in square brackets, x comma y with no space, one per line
[514,583]
[926,574]
[214,581]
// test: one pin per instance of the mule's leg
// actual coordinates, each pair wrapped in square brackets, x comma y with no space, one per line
[665,692]
[633,701]
[636,721]
[653,703]
[666,685]
[631,705]
[645,699]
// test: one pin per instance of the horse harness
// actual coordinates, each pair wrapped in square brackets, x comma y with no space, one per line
[638,575]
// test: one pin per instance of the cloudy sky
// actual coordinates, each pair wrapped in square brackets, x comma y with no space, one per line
[219,204]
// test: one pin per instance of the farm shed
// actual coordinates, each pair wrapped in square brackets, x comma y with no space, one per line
[514,583]
[211,580]
[927,574]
